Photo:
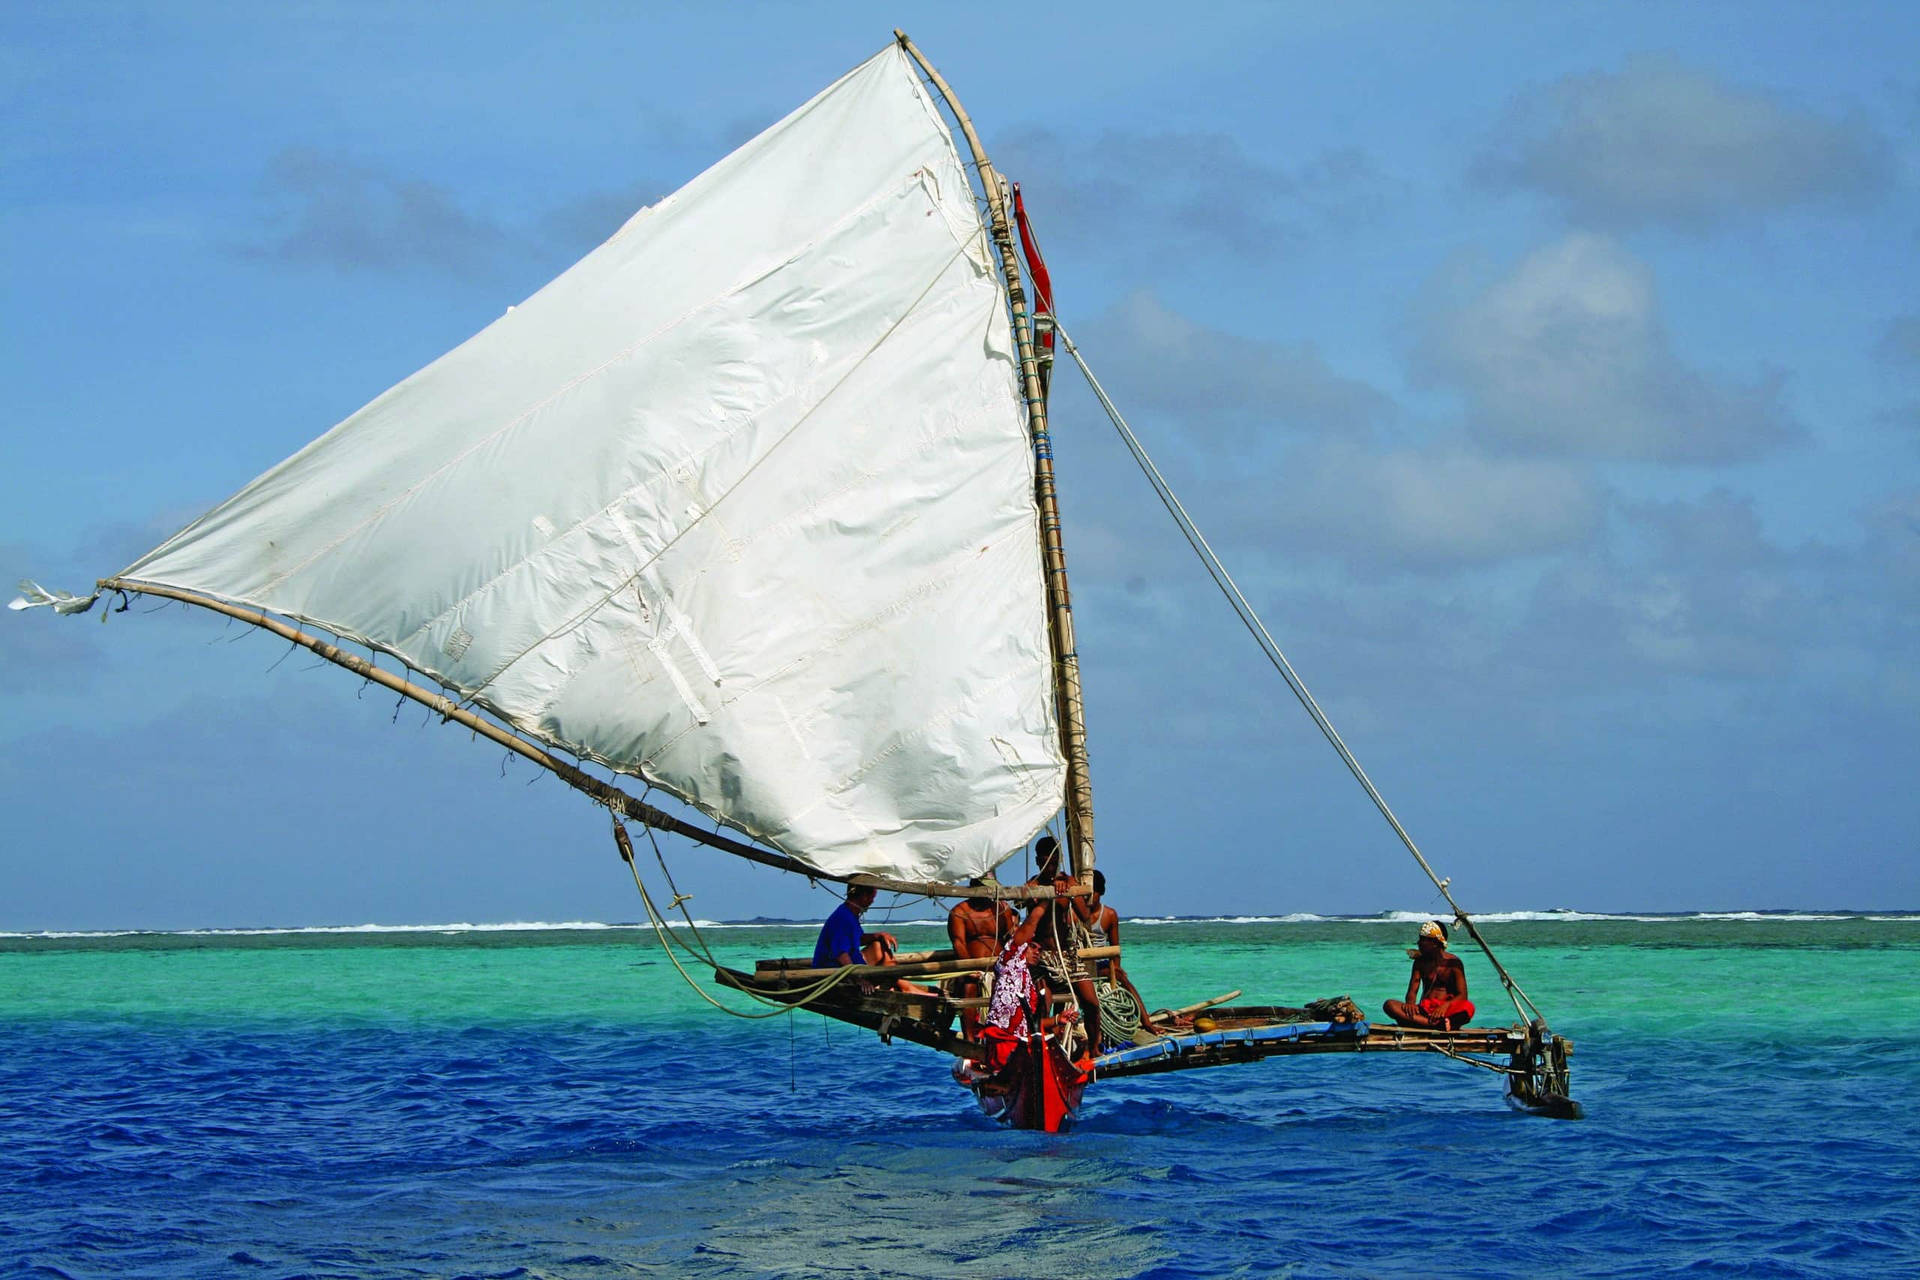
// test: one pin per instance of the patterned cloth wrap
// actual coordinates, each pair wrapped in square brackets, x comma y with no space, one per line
[1014,997]
[1013,1011]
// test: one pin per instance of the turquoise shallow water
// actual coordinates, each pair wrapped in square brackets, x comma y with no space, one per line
[558,1103]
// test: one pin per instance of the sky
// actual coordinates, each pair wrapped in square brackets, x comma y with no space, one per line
[1548,376]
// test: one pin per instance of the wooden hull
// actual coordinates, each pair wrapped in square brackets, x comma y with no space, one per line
[1039,1088]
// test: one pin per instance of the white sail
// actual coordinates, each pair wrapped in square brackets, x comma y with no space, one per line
[742,504]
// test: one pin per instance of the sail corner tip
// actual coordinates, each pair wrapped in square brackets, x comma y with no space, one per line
[33,596]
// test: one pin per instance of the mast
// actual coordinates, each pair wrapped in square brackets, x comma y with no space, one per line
[1066,658]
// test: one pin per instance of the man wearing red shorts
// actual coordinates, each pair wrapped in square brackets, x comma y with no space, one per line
[1440,981]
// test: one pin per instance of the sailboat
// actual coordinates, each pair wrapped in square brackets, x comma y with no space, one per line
[754,505]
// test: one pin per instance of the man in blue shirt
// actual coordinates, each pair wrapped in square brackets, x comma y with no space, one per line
[842,941]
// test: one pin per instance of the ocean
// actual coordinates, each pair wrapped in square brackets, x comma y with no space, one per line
[555,1101]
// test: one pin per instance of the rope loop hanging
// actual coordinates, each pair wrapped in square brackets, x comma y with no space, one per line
[698,949]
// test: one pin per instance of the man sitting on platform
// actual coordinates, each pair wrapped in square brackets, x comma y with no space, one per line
[843,941]
[1103,929]
[1441,981]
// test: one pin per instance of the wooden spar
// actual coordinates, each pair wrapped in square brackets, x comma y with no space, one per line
[1185,1009]
[806,962]
[779,965]
[1066,658]
[921,969]
[580,780]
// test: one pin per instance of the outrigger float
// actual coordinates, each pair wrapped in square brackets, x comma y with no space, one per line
[756,504]
[1532,1059]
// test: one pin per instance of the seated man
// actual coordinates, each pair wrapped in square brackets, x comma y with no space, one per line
[1441,981]
[976,927]
[843,941]
[1104,929]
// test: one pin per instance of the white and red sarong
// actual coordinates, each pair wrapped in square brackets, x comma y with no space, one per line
[1013,1011]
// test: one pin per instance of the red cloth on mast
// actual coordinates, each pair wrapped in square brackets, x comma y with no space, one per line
[1036,266]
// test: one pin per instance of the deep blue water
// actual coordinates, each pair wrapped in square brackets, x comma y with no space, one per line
[339,1140]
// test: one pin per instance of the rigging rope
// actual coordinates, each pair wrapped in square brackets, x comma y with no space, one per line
[1494,1067]
[664,932]
[1522,1005]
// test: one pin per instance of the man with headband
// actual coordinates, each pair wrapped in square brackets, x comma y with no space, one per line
[1439,980]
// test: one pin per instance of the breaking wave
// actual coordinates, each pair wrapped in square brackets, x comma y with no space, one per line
[1561,915]
[1557,915]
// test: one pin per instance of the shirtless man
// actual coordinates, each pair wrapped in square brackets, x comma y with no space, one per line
[1046,860]
[1440,980]
[976,927]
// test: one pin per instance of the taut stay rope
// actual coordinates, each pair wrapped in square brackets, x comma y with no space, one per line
[1521,1004]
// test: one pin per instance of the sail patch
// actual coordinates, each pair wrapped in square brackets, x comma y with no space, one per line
[658,647]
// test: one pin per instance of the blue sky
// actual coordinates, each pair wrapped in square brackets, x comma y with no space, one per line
[1548,375]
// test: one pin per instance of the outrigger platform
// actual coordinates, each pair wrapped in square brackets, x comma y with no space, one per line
[1532,1059]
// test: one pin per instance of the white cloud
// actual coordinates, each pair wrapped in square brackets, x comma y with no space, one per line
[1427,510]
[1287,458]
[1660,143]
[337,211]
[1696,590]
[1225,390]
[330,209]
[1567,356]
[1198,190]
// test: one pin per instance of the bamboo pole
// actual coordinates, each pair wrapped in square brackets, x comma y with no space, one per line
[1185,1009]
[922,969]
[1066,658]
[603,792]
[806,962]
[790,964]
